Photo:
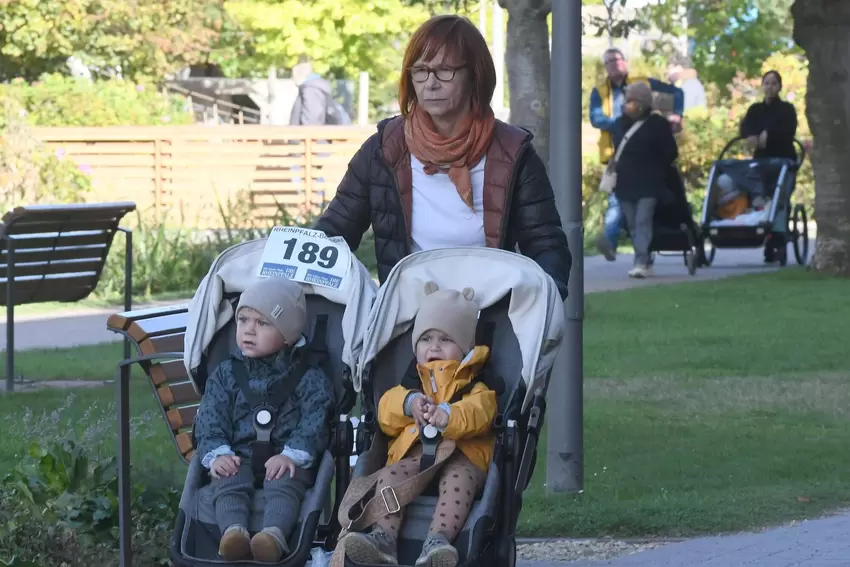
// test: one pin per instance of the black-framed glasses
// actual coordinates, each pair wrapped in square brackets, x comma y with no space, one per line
[443,74]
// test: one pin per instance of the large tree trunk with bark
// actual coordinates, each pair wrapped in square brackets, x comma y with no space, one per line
[528,62]
[822,28]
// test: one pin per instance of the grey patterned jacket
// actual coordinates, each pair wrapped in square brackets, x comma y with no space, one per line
[224,423]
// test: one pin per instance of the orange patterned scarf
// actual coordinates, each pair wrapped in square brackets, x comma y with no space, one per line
[457,154]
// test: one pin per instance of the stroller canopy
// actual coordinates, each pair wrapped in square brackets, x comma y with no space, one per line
[236,268]
[536,311]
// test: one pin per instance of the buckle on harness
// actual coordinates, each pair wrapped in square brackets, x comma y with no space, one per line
[386,504]
[264,418]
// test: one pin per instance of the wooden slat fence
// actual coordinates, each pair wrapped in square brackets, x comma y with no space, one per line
[182,173]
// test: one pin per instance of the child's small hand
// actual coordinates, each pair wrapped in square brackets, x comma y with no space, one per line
[279,464]
[225,465]
[437,416]
[418,407]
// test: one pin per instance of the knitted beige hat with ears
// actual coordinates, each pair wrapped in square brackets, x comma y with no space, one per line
[449,311]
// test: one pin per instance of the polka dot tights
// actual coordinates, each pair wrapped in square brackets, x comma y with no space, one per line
[460,481]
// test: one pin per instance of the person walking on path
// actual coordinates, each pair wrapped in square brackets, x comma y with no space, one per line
[769,127]
[606,105]
[447,173]
[645,150]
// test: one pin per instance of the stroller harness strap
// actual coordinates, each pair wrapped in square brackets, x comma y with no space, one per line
[363,505]
[265,409]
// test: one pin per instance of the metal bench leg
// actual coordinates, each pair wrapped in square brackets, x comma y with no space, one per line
[124,495]
[128,280]
[10,315]
[124,488]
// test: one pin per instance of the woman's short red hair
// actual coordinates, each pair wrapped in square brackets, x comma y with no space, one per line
[463,42]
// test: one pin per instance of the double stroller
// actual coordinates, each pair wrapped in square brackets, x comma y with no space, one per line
[365,337]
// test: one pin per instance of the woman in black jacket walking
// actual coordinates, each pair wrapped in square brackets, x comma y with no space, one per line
[648,151]
[769,127]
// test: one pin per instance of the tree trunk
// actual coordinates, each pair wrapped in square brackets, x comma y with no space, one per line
[528,62]
[822,29]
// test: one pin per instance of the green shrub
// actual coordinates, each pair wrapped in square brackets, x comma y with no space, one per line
[58,100]
[59,504]
[29,173]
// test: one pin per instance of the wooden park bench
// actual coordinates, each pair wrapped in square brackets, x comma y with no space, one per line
[56,253]
[158,337]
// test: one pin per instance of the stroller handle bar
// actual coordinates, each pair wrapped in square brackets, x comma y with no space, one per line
[801,153]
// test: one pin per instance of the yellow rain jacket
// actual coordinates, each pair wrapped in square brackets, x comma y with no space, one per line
[470,420]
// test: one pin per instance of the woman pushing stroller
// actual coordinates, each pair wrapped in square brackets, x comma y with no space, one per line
[453,402]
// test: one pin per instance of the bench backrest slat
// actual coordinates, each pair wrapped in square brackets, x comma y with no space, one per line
[61,252]
[51,268]
[177,394]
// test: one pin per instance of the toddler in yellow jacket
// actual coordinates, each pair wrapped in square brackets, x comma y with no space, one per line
[447,361]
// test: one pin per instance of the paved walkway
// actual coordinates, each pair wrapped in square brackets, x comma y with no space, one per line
[74,327]
[815,543]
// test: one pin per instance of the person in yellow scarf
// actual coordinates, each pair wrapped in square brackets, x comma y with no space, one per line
[606,105]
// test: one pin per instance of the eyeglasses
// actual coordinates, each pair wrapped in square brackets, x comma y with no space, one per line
[443,74]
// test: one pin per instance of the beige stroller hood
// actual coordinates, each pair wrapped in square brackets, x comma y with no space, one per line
[236,268]
[536,311]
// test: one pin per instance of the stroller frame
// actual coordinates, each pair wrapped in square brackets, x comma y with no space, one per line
[760,235]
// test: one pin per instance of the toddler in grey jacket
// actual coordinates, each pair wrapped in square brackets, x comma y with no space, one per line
[270,321]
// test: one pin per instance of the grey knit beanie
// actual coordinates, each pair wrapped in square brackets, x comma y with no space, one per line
[282,302]
[449,311]
[641,93]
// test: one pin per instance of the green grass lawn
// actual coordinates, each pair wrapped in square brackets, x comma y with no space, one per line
[709,406]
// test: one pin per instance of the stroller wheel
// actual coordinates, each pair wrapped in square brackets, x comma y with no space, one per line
[800,234]
[506,554]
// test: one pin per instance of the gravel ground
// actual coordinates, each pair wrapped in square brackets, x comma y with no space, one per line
[582,549]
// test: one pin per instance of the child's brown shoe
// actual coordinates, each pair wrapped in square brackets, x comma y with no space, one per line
[269,546]
[235,544]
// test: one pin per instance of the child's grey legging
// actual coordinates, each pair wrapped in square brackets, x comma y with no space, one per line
[460,481]
[639,216]
[232,497]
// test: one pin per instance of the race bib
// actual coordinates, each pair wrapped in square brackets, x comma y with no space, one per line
[305,255]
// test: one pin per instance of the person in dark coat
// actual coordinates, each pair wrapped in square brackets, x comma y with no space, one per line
[769,127]
[642,169]
[447,173]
